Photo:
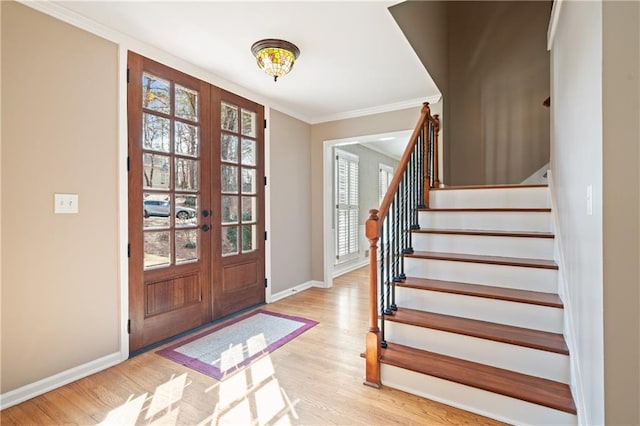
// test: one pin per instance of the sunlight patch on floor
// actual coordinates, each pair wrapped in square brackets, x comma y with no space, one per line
[127,413]
[251,396]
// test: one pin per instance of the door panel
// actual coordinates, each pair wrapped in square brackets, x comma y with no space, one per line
[238,274]
[169,189]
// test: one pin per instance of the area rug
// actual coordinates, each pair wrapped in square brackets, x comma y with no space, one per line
[224,349]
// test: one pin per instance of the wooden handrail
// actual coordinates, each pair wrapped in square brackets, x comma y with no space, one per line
[402,165]
[374,227]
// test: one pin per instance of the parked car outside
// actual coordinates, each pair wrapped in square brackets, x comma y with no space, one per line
[162,208]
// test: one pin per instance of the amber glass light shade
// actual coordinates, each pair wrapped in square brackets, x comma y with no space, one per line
[275,57]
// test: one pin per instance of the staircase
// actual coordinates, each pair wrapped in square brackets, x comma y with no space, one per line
[477,323]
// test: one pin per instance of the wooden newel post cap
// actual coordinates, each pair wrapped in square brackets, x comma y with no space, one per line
[373,214]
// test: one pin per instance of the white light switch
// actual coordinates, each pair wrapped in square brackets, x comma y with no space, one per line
[65,203]
[589,200]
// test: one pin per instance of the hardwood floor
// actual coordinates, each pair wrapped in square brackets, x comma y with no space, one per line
[314,379]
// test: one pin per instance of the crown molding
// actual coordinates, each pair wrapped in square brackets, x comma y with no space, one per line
[125,41]
[59,11]
[411,103]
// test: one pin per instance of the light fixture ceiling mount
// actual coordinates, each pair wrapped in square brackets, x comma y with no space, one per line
[274,56]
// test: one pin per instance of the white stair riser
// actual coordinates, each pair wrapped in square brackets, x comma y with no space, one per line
[548,365]
[534,248]
[498,197]
[524,315]
[487,221]
[478,401]
[536,279]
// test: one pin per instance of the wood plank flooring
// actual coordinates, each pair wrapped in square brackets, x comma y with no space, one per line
[316,379]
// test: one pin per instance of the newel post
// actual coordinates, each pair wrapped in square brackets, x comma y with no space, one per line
[372,353]
[426,160]
[436,130]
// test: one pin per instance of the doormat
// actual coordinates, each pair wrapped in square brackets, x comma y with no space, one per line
[224,349]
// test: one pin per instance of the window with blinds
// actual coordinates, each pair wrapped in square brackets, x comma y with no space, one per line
[346,201]
[385,175]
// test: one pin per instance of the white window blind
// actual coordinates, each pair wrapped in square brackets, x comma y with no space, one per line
[385,176]
[346,200]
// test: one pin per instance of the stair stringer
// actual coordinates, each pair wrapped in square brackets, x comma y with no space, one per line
[569,334]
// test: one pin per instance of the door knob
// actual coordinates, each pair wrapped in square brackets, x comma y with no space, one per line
[205,227]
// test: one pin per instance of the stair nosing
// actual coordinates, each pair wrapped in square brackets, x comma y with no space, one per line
[491,260]
[485,233]
[472,369]
[505,186]
[488,209]
[483,291]
[464,326]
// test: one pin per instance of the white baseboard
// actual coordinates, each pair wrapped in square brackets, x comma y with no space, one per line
[293,290]
[32,390]
[351,267]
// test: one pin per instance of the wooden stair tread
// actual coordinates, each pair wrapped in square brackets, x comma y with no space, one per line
[490,292]
[532,389]
[520,234]
[504,186]
[488,209]
[476,258]
[535,339]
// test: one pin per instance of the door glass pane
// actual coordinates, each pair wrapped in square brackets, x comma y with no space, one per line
[157,249]
[155,132]
[229,117]
[186,139]
[248,181]
[156,208]
[155,93]
[249,209]
[229,240]
[187,247]
[156,172]
[229,176]
[229,148]
[248,123]
[248,238]
[186,210]
[229,209]
[248,152]
[186,103]
[186,174]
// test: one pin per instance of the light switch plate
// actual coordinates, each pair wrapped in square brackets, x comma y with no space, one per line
[65,203]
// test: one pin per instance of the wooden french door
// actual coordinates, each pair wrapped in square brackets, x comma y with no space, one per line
[238,272]
[194,254]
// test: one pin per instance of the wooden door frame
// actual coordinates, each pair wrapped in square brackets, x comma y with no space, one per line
[124,46]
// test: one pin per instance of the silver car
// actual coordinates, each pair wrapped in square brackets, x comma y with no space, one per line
[162,208]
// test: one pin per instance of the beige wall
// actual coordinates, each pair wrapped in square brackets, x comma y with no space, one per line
[497,128]
[595,134]
[425,24]
[576,162]
[60,283]
[621,216]
[290,183]
[372,124]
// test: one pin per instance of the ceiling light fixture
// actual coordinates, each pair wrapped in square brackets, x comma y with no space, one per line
[275,57]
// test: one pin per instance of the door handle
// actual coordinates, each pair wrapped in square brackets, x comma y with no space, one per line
[205,227]
[207,213]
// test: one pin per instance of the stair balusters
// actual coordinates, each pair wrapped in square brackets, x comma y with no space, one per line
[389,232]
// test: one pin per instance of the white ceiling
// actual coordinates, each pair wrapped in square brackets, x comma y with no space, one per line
[354,59]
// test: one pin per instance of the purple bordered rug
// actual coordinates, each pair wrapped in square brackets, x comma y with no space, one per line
[224,349]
